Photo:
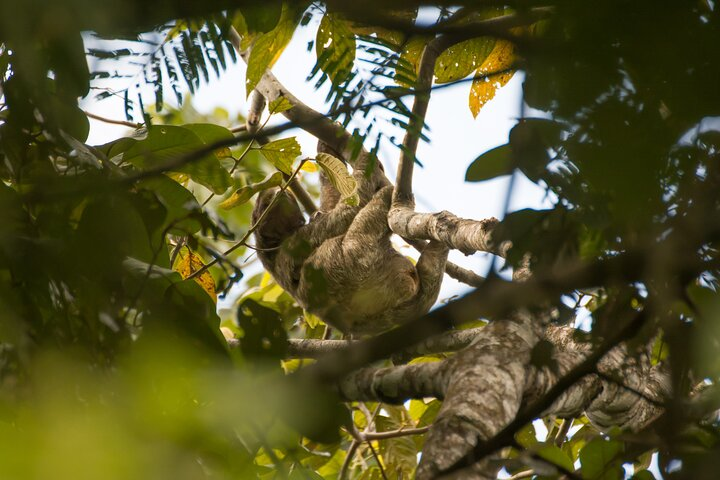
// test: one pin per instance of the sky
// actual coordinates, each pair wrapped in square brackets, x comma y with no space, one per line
[456,139]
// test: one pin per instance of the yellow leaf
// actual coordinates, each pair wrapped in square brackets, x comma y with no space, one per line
[266,280]
[243,194]
[460,60]
[309,167]
[312,320]
[187,263]
[273,294]
[336,171]
[487,82]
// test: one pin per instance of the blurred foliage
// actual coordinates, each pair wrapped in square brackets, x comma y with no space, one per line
[112,364]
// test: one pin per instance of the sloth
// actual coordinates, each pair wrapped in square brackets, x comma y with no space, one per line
[341,266]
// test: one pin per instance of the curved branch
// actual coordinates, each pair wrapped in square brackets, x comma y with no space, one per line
[498,27]
[306,118]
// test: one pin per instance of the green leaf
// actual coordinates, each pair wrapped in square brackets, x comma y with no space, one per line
[335,47]
[554,455]
[263,334]
[69,117]
[112,228]
[428,417]
[417,409]
[279,105]
[245,193]
[316,413]
[301,473]
[15,221]
[282,153]
[459,61]
[337,172]
[491,164]
[601,459]
[268,47]
[179,202]
[120,146]
[527,436]
[210,133]
[167,143]
[530,140]
[408,63]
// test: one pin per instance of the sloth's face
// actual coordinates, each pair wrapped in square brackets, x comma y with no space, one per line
[283,219]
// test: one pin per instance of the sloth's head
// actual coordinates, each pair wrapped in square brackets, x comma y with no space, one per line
[283,219]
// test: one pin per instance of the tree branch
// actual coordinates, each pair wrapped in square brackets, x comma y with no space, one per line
[506,435]
[124,123]
[403,181]
[495,298]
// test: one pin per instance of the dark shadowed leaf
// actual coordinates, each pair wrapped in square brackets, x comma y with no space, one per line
[167,143]
[491,164]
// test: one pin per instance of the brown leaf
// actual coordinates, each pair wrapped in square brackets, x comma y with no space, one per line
[189,262]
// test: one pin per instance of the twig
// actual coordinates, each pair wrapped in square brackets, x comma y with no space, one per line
[400,432]
[521,475]
[111,121]
[377,459]
[359,438]
[563,431]
[348,459]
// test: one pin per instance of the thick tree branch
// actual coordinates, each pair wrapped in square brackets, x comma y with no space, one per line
[496,298]
[395,384]
[468,236]
[498,27]
[556,397]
